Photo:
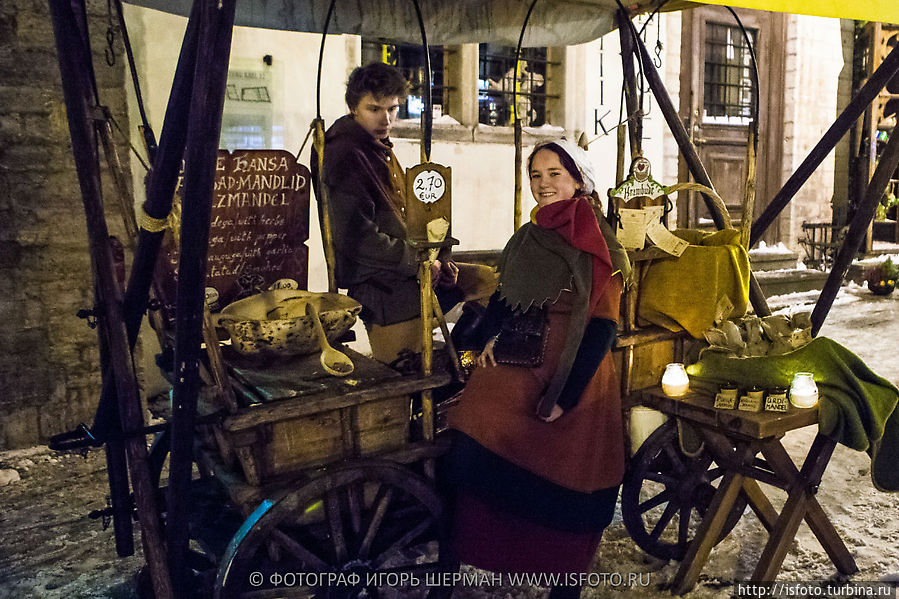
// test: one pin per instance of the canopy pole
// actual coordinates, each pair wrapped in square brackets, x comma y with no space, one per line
[717,209]
[428,114]
[869,91]
[620,143]
[318,144]
[752,144]
[321,56]
[519,157]
[75,71]
[691,156]
[160,190]
[216,24]
[324,204]
[145,128]
[519,161]
[889,160]
[634,113]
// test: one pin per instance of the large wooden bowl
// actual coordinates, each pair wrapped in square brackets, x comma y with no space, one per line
[275,322]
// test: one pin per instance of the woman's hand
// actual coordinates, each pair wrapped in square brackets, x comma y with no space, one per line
[449,274]
[436,267]
[556,412]
[486,358]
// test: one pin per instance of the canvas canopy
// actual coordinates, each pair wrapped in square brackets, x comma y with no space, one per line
[552,23]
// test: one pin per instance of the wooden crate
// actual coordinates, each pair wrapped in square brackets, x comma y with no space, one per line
[373,427]
[293,416]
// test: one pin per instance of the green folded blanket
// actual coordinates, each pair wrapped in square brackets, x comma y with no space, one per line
[856,406]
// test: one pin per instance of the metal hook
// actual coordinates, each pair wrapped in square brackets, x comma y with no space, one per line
[109,51]
[658,59]
[89,315]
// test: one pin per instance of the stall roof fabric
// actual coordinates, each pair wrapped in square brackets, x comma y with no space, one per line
[553,22]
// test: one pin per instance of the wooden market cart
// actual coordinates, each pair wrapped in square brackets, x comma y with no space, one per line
[363,474]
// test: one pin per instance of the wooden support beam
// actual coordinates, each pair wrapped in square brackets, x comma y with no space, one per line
[691,157]
[76,73]
[804,485]
[163,177]
[120,500]
[119,178]
[708,533]
[869,91]
[864,214]
[823,529]
[160,190]
[216,20]
[106,423]
[634,114]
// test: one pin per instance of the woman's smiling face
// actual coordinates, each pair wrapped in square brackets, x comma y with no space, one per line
[550,181]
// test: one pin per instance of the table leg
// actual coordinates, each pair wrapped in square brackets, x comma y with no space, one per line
[759,503]
[723,451]
[805,483]
[709,532]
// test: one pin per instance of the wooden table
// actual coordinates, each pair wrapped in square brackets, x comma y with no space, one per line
[734,439]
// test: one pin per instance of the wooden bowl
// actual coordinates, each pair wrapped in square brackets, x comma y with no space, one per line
[275,322]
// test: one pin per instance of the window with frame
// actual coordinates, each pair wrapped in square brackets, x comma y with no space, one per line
[496,81]
[410,60]
[728,92]
[248,116]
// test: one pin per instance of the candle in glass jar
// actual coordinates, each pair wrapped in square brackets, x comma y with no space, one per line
[675,381]
[803,390]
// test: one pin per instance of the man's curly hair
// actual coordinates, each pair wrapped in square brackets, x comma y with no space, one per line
[378,79]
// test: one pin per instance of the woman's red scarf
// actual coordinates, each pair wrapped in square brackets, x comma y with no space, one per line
[575,221]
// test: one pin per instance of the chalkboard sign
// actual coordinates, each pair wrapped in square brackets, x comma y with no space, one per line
[258,230]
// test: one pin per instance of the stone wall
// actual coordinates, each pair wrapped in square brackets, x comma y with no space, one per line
[49,361]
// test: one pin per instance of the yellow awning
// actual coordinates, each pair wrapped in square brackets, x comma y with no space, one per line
[862,10]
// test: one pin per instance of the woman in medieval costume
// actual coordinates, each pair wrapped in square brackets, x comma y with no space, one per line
[538,448]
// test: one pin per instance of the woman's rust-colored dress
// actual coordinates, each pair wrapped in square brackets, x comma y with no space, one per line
[551,487]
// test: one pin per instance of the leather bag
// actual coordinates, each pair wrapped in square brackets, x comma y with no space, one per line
[522,338]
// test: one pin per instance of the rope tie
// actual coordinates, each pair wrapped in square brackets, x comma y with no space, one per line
[150,224]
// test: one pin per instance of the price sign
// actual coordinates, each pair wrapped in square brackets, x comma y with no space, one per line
[429,186]
[431,198]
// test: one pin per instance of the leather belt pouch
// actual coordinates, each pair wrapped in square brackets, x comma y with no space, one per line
[522,338]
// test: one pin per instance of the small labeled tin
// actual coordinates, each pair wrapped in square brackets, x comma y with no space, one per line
[754,399]
[777,400]
[727,395]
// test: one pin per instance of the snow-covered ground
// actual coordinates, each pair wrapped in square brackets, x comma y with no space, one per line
[50,549]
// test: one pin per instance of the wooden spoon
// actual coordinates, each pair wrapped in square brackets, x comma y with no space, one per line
[333,361]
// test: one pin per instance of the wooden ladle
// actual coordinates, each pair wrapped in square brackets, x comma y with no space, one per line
[333,361]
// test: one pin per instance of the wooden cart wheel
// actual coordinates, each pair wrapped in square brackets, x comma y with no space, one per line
[369,529]
[665,494]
